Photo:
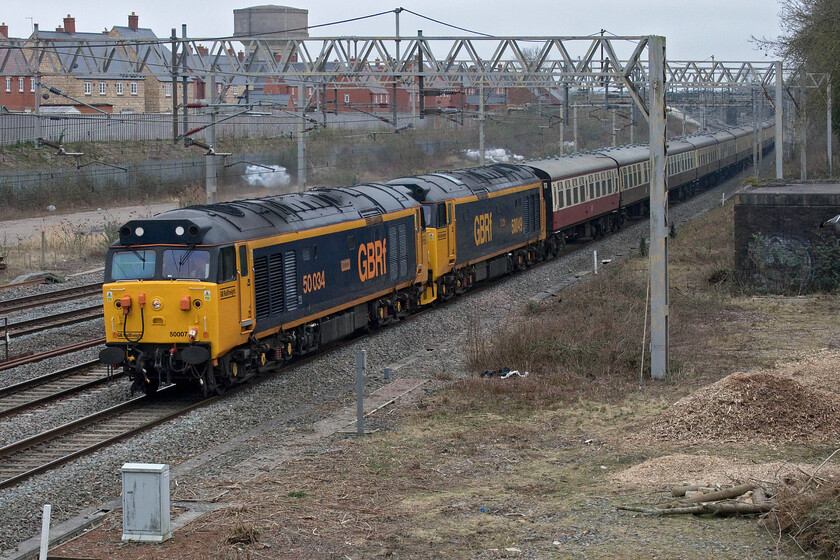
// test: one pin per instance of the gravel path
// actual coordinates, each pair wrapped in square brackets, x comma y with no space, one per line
[305,394]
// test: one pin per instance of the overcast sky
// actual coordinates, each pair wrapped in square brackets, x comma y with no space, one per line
[694,29]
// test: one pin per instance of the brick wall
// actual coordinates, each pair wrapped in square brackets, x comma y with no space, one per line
[779,246]
[75,87]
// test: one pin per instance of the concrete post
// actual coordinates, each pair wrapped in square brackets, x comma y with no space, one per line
[481,123]
[658,256]
[828,127]
[755,145]
[361,365]
[778,147]
[45,533]
[301,139]
[803,145]
[210,159]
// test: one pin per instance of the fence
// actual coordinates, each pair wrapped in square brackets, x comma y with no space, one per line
[20,128]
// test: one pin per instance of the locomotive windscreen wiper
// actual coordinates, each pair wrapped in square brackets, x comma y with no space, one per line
[186,255]
[137,253]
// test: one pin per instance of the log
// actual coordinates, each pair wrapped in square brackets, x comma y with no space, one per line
[668,511]
[679,491]
[727,508]
[733,492]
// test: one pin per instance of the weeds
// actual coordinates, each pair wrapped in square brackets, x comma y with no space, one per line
[809,513]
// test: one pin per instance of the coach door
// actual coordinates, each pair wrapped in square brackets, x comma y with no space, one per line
[246,314]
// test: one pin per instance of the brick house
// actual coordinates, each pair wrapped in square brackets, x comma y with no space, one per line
[120,89]
[157,91]
[17,93]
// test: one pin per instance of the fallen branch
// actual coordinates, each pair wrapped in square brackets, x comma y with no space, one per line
[726,508]
[733,492]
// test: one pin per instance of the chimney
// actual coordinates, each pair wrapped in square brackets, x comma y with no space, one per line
[70,24]
[134,21]
[240,55]
[59,29]
[4,30]
[202,50]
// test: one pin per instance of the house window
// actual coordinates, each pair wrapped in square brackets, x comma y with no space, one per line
[167,90]
[88,88]
[102,88]
[119,88]
[32,85]
[133,88]
[347,98]
[20,84]
[219,89]
[235,90]
[8,84]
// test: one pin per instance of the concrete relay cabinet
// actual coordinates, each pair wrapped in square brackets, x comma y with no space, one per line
[145,501]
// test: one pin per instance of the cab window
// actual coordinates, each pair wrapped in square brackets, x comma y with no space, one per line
[441,215]
[227,264]
[186,264]
[243,261]
[133,265]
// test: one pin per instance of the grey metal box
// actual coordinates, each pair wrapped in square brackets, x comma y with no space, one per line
[145,500]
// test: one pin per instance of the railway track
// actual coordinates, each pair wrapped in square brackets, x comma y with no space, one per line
[57,384]
[32,358]
[67,294]
[53,321]
[34,282]
[49,449]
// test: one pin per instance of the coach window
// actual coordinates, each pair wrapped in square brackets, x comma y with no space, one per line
[243,261]
[227,265]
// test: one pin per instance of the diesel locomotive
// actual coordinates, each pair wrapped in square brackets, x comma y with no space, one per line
[212,294]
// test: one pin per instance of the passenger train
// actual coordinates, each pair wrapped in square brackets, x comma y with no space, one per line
[213,294]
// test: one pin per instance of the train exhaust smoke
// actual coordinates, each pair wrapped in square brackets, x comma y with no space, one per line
[493,155]
[267,176]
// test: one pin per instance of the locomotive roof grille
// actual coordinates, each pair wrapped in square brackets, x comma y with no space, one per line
[228,209]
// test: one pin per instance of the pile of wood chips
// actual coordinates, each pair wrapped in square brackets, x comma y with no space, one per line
[752,406]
